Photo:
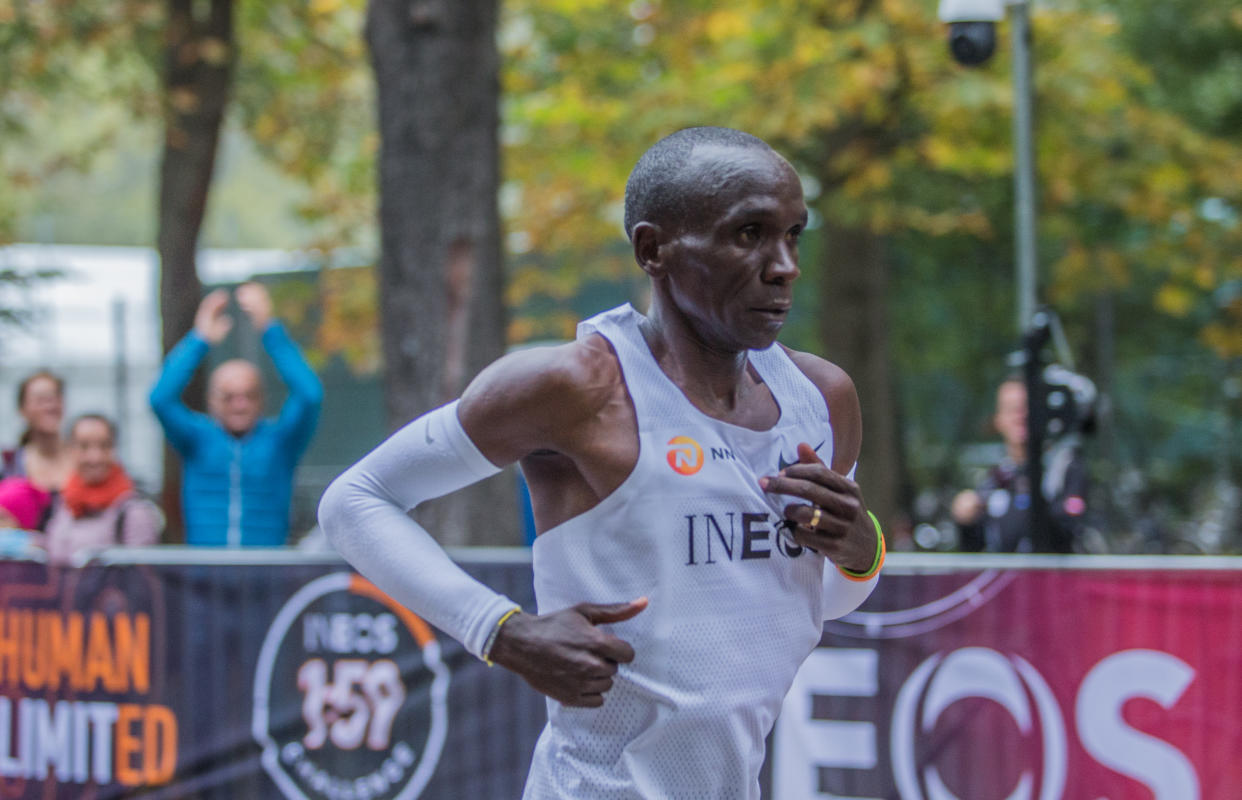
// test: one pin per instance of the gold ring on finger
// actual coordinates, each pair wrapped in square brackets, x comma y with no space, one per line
[816,513]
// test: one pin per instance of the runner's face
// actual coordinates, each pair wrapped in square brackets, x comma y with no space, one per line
[732,267]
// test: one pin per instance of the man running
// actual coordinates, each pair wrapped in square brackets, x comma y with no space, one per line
[689,483]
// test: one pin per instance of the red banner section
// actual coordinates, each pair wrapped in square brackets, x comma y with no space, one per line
[1023,685]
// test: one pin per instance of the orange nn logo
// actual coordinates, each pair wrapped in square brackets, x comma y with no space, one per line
[684,455]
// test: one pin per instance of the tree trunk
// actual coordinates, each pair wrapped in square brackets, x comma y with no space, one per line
[198,70]
[441,278]
[854,327]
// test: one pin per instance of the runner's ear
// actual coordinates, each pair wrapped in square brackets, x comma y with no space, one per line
[647,238]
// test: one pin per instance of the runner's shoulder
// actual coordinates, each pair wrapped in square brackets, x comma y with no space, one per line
[844,409]
[558,384]
[835,384]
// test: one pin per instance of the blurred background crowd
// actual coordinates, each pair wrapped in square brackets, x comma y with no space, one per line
[153,152]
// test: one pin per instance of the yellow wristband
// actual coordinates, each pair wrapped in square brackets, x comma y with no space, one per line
[880,551]
[491,637]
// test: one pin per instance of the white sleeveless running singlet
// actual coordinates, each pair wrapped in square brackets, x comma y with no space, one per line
[735,606]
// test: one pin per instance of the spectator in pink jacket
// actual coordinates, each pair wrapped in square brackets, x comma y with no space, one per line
[98,506]
[22,504]
[22,507]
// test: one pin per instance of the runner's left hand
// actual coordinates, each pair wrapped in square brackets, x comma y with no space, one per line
[844,533]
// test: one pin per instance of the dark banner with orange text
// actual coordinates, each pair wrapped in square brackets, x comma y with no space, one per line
[277,678]
[253,680]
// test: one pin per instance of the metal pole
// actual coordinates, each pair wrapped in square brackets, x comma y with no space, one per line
[1024,164]
[1036,421]
[120,368]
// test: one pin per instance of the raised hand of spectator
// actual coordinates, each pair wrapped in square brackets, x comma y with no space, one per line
[210,321]
[255,301]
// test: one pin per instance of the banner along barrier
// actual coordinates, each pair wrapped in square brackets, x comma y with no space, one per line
[181,673]
[1026,677]
[248,674]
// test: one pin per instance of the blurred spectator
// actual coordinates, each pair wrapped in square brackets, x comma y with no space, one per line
[996,515]
[238,478]
[41,454]
[99,506]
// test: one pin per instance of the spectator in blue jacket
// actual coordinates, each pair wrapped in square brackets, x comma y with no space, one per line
[238,466]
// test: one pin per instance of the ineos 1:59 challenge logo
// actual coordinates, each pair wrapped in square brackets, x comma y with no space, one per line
[350,695]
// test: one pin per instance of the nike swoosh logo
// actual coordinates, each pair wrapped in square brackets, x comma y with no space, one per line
[780,459]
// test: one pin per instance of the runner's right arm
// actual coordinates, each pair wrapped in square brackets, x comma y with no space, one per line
[519,402]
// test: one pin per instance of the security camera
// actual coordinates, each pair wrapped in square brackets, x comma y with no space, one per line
[972,28]
[972,43]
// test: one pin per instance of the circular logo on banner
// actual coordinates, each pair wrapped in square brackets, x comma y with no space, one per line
[350,695]
[976,672]
[685,455]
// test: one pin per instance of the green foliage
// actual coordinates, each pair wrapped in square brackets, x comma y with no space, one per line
[80,91]
[304,94]
[72,77]
[866,101]
[1194,51]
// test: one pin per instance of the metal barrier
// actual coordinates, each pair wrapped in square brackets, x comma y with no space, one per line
[895,562]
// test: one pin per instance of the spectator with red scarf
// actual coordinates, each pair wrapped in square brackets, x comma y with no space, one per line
[98,506]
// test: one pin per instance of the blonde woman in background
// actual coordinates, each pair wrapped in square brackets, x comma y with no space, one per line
[41,454]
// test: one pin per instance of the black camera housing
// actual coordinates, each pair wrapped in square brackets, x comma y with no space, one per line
[972,43]
[1069,402]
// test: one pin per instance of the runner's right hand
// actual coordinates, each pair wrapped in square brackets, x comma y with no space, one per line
[563,654]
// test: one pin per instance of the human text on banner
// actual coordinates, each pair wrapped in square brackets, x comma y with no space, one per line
[82,689]
[247,682]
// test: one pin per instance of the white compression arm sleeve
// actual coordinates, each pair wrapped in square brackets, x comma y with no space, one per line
[841,595]
[364,516]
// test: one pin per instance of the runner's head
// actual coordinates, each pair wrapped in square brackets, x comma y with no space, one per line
[714,216]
